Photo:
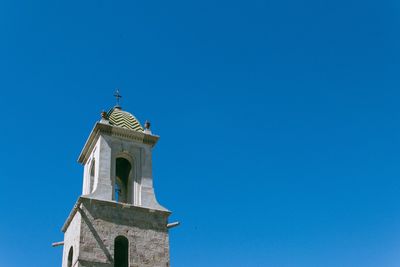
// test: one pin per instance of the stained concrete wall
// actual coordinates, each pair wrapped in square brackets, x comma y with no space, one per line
[105,152]
[72,238]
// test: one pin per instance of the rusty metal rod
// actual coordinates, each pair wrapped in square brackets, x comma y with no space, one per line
[56,244]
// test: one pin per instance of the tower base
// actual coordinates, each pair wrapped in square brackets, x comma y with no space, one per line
[94,225]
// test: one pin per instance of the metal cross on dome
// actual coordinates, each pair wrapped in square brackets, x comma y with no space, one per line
[117,96]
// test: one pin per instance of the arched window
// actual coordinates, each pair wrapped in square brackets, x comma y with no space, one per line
[92,173]
[123,169]
[70,257]
[121,252]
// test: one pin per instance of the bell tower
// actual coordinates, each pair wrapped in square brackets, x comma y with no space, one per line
[117,221]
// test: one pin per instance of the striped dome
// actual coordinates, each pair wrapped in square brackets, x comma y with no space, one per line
[118,117]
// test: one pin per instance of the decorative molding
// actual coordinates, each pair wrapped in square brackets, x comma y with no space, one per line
[127,134]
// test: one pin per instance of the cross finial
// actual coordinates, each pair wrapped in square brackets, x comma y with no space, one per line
[117,96]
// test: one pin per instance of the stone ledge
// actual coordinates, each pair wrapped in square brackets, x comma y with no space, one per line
[112,204]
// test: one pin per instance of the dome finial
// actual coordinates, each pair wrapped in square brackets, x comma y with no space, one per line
[117,96]
[147,125]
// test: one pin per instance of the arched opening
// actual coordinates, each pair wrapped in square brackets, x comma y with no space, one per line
[123,169]
[121,252]
[70,257]
[92,173]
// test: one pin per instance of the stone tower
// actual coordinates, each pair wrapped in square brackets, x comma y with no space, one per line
[117,221]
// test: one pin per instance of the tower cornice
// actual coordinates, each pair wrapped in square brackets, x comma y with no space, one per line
[110,130]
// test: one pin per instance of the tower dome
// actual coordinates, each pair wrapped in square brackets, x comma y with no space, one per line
[123,119]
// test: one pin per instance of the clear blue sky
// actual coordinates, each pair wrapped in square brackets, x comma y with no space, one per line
[279,124]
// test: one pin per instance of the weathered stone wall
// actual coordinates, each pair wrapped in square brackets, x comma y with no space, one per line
[103,221]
